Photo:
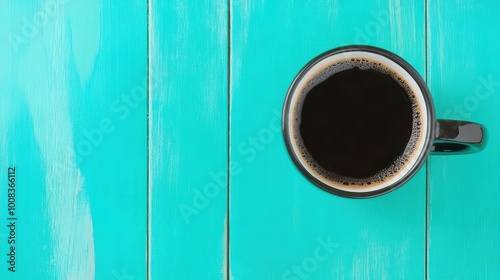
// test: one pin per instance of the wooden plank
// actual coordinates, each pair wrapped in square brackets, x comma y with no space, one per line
[279,221]
[188,139]
[464,198]
[73,124]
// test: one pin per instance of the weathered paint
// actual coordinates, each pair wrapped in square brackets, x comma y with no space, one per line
[464,191]
[188,139]
[78,147]
[116,183]
[281,225]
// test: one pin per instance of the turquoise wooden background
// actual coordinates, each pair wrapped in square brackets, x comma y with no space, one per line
[124,119]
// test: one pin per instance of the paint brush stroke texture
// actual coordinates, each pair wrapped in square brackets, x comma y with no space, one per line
[43,79]
[82,191]
[188,139]
[85,24]
[67,67]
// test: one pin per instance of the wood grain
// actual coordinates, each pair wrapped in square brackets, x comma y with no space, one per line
[464,191]
[115,116]
[282,226]
[73,123]
[188,139]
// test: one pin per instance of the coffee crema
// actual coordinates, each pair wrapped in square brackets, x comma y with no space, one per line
[356,122]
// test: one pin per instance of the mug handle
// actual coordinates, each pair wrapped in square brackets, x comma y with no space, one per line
[457,137]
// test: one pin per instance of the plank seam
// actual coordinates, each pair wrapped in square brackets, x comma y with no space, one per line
[148,141]
[427,169]
[228,141]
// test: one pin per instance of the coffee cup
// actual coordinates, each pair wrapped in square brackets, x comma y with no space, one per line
[359,121]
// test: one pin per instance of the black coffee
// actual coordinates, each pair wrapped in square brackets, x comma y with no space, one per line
[357,123]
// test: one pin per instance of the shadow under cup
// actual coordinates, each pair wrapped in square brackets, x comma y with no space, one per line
[358,121]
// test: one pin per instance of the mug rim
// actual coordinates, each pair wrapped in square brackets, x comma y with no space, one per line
[430,126]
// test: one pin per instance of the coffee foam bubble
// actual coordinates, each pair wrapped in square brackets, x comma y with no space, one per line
[384,174]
